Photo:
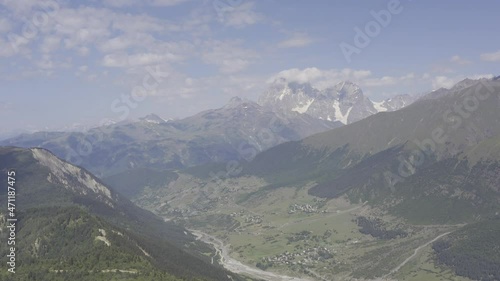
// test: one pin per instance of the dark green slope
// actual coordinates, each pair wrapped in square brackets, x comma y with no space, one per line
[52,193]
[473,251]
[439,191]
[60,243]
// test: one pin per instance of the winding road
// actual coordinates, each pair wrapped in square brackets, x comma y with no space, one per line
[396,269]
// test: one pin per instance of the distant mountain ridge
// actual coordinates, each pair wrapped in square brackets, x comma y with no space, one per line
[236,131]
[466,83]
[344,102]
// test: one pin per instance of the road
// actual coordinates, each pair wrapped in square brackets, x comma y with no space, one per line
[396,269]
[236,266]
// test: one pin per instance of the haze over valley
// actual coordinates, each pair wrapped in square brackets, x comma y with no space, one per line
[249,140]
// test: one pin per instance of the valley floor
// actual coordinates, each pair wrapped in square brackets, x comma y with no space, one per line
[233,265]
[286,234]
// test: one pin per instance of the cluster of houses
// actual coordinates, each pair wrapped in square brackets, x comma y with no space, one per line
[251,219]
[306,208]
[304,257]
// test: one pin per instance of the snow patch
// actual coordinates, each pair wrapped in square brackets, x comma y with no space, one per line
[286,91]
[379,106]
[338,113]
[303,109]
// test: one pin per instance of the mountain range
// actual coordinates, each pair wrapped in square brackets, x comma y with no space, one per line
[237,131]
[461,124]
[344,102]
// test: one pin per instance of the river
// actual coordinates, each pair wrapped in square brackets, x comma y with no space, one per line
[236,266]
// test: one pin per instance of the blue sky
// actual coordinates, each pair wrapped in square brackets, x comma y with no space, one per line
[74,64]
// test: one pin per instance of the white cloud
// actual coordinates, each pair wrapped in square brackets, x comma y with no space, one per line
[307,75]
[5,106]
[296,40]
[116,44]
[150,58]
[480,76]
[83,26]
[458,60]
[127,3]
[50,44]
[46,62]
[206,92]
[356,74]
[5,25]
[140,59]
[378,82]
[443,82]
[120,3]
[166,3]
[6,49]
[408,76]
[322,79]
[493,57]
[21,8]
[228,55]
[448,82]
[83,51]
[115,60]
[123,42]
[88,26]
[142,23]
[240,16]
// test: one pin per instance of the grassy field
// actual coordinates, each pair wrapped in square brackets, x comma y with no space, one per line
[286,230]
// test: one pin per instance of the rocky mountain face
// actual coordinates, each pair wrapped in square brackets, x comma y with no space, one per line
[394,103]
[345,102]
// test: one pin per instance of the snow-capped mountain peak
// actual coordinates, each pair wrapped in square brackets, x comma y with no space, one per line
[153,118]
[344,102]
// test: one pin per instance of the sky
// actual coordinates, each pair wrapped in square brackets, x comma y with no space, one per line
[77,64]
